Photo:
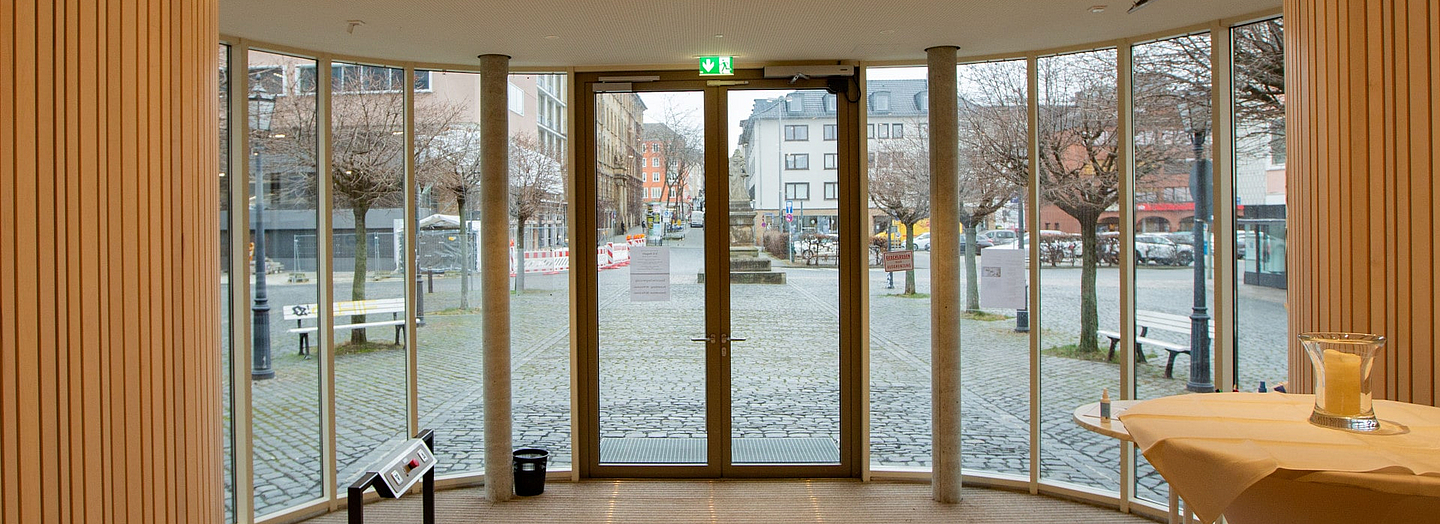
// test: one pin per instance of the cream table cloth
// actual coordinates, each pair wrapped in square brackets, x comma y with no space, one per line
[1212,447]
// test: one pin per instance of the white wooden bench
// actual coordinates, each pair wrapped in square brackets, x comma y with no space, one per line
[1147,320]
[303,312]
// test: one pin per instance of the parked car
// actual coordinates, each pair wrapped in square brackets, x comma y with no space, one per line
[1000,236]
[1156,249]
[922,241]
[1184,245]
[980,241]
[697,219]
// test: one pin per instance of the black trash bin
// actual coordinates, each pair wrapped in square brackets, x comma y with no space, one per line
[530,471]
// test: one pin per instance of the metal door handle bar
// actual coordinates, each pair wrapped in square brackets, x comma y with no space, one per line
[716,338]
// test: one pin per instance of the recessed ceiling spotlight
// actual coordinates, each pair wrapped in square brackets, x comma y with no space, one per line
[1097,9]
[887,31]
[718,35]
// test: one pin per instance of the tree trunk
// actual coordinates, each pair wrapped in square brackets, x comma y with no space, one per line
[972,281]
[362,258]
[464,256]
[910,245]
[1089,309]
[520,255]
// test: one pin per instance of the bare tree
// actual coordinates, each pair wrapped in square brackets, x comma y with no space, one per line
[536,186]
[1259,62]
[1079,170]
[679,141]
[900,185]
[994,152]
[367,150]
[455,155]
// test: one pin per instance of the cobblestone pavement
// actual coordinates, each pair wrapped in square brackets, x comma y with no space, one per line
[785,374]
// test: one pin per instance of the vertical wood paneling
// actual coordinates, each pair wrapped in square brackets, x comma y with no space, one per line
[108,307]
[1434,16]
[1362,80]
[9,416]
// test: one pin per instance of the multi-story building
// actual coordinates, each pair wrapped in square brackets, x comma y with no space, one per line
[619,205]
[789,146]
[669,177]
[537,115]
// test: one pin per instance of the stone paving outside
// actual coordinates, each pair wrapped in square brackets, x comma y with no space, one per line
[785,374]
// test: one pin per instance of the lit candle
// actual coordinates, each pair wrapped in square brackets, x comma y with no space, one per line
[1342,383]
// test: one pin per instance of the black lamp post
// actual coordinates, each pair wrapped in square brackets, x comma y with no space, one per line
[261,109]
[1022,315]
[1197,116]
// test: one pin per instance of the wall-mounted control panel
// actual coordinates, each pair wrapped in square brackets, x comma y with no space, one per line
[403,468]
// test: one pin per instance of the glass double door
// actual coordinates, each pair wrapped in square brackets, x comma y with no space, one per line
[714,340]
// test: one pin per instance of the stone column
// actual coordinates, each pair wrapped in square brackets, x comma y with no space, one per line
[1362,79]
[495,272]
[945,306]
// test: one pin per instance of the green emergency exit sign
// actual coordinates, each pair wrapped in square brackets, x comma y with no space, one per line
[717,65]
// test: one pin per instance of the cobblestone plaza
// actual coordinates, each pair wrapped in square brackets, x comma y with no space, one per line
[785,379]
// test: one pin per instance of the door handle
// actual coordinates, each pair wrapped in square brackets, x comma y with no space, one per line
[723,337]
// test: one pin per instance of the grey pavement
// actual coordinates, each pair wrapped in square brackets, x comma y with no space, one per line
[785,375]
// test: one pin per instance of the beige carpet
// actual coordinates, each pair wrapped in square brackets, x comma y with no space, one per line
[763,501]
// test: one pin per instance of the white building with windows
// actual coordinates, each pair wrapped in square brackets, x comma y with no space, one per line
[789,146]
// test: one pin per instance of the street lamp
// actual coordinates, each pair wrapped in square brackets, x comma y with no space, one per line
[1196,115]
[261,109]
[782,105]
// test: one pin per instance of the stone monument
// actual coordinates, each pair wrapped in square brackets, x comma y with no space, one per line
[747,264]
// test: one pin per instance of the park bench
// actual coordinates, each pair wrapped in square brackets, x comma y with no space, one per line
[303,312]
[1147,320]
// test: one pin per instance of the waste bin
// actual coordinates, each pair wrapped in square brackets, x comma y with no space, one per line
[530,471]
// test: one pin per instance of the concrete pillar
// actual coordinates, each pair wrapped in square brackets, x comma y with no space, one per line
[495,272]
[945,306]
[1362,127]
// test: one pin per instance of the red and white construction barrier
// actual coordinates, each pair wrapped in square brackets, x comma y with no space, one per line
[552,261]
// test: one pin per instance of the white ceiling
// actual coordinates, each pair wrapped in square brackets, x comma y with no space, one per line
[558,33]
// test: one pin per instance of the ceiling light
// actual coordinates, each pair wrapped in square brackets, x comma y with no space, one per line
[718,35]
[552,37]
[1138,4]
[1097,9]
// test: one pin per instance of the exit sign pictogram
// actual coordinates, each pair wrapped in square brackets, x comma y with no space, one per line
[717,65]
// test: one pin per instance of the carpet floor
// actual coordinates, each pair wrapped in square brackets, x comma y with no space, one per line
[736,501]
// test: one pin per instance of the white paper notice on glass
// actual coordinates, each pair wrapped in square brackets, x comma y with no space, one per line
[1002,278]
[650,274]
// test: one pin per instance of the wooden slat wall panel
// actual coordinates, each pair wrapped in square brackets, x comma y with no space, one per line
[1362,80]
[108,299]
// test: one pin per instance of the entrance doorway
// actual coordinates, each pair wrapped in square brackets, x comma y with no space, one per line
[716,333]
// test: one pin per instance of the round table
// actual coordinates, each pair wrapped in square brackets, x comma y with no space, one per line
[1088,417]
[1256,458]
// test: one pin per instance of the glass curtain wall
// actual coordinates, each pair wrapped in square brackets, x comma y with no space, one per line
[283,205]
[539,229]
[1258,67]
[1079,276]
[447,240]
[227,401]
[898,171]
[368,173]
[1078,232]
[994,331]
[1174,239]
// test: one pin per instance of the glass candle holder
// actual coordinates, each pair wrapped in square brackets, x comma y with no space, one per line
[1342,363]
